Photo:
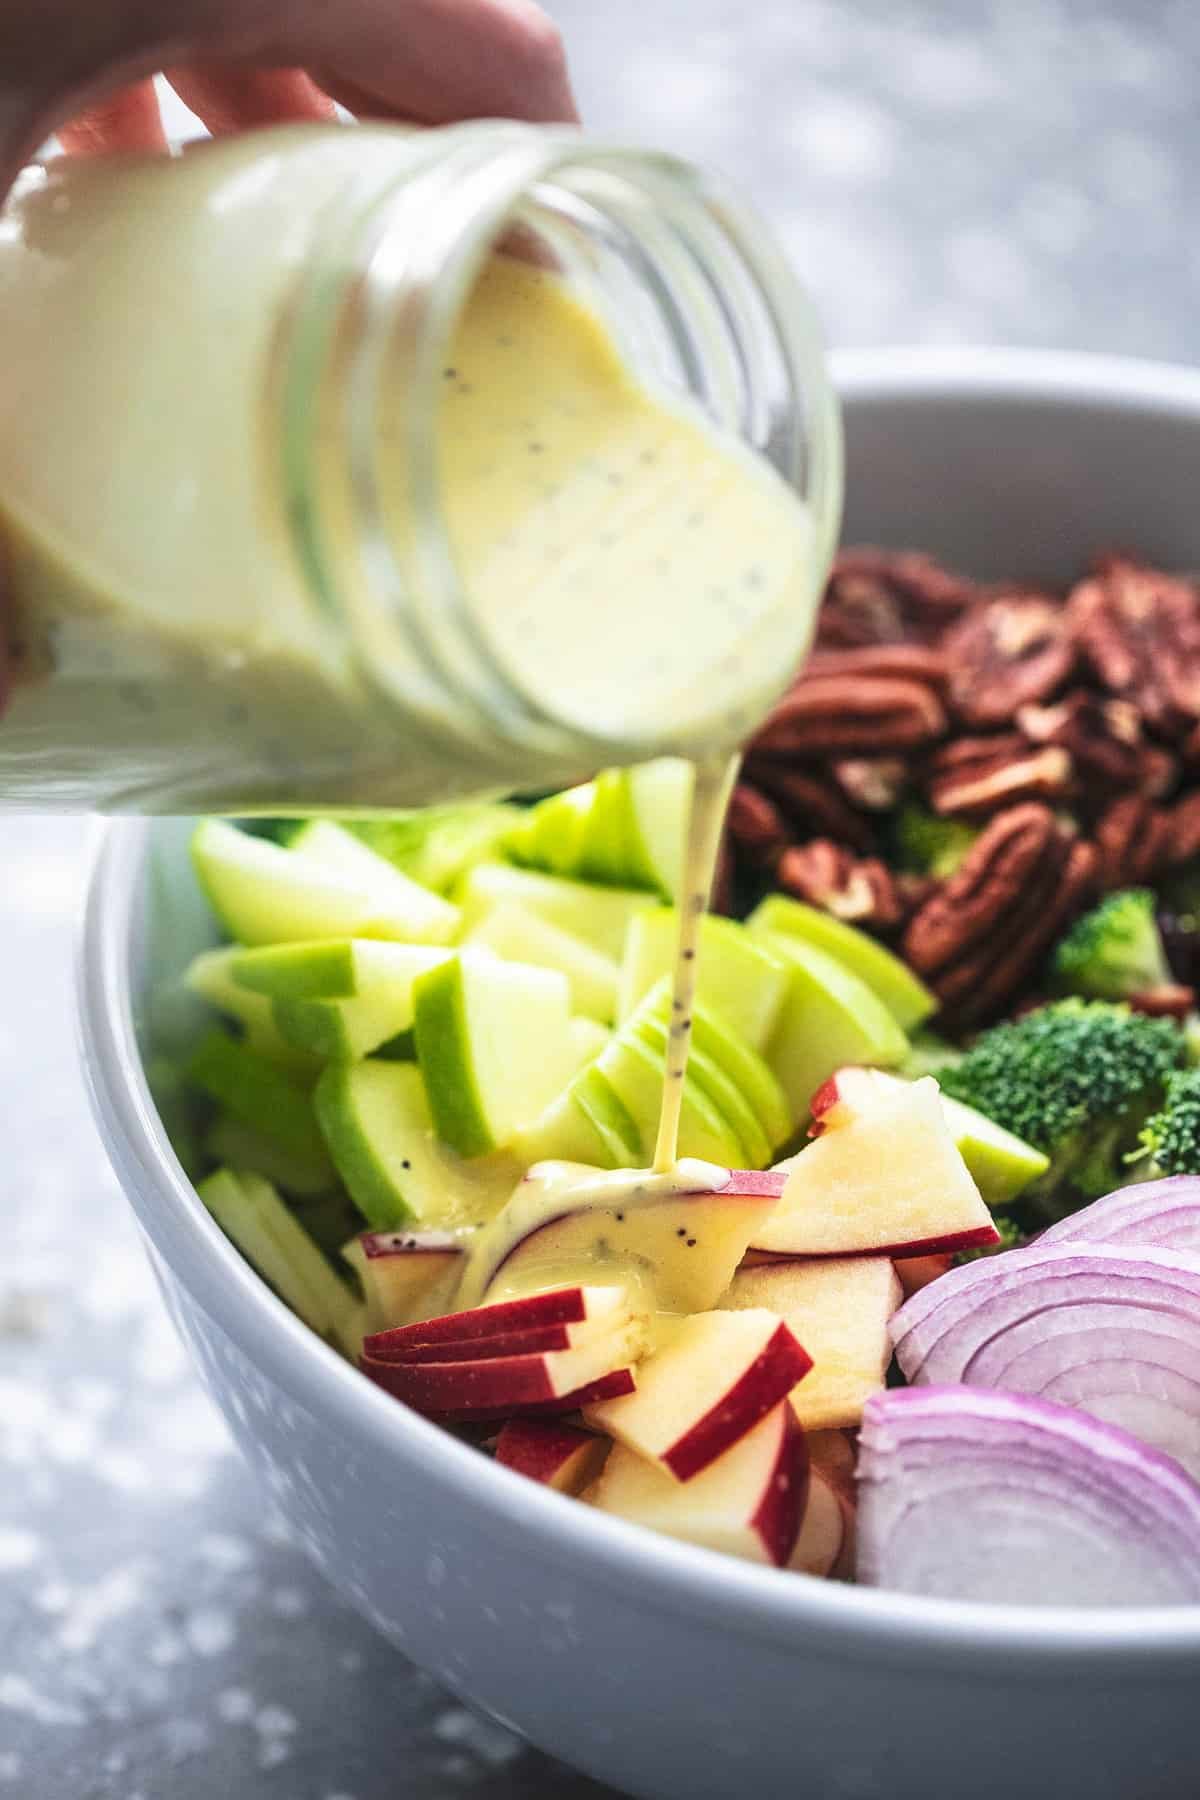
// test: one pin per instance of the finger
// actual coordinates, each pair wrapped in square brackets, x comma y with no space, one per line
[128,120]
[434,61]
[235,99]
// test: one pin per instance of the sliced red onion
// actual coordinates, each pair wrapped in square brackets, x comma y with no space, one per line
[965,1494]
[1111,1330]
[1153,1215]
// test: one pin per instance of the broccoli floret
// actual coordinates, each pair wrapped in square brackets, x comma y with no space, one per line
[1076,1079]
[1011,1238]
[1114,951]
[1170,1138]
[929,845]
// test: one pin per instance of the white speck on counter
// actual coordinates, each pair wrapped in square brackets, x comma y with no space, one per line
[488,1742]
[18,1549]
[225,1553]
[93,1608]
[10,1766]
[20,1696]
[210,1630]
[235,1705]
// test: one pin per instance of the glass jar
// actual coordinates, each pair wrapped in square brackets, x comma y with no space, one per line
[258,558]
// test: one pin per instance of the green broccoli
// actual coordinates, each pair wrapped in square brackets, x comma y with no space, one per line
[1011,1238]
[1077,1079]
[929,845]
[1114,951]
[1170,1138]
[928,1054]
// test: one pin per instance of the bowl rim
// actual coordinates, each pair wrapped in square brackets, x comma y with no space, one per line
[742,1598]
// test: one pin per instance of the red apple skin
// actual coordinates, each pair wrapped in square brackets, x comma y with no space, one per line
[607,1387]
[535,1341]
[558,1306]
[559,1456]
[785,1499]
[772,1375]
[977,1238]
[409,1243]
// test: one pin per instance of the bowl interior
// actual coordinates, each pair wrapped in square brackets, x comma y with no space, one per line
[1004,465]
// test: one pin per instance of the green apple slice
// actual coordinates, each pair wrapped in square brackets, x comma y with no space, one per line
[659,796]
[830,1017]
[588,1039]
[494,1046]
[416,915]
[550,835]
[252,1214]
[739,977]
[260,1095]
[517,934]
[266,894]
[905,996]
[585,1124]
[376,980]
[746,1069]
[376,1120]
[635,1073]
[599,915]
[241,1146]
[711,1079]
[1002,1163]
[211,976]
[436,844]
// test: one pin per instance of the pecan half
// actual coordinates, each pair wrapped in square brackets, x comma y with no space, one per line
[1007,652]
[977,776]
[914,662]
[1103,736]
[1133,838]
[1138,631]
[985,930]
[810,800]
[824,714]
[756,825]
[1184,842]
[827,875]
[890,597]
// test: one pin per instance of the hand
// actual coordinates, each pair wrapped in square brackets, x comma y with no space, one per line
[82,68]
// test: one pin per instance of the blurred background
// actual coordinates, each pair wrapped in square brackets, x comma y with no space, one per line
[1023,171]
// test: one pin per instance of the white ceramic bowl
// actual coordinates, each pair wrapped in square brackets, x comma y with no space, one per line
[666,1670]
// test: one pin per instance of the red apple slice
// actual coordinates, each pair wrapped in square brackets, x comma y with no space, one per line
[889,1183]
[835,1454]
[608,1310]
[559,1456]
[683,1246]
[607,1387]
[819,1547]
[405,1274]
[847,1093]
[838,1307]
[749,1502]
[510,1382]
[489,1327]
[710,1381]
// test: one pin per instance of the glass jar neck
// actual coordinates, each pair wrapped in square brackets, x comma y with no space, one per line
[701,307]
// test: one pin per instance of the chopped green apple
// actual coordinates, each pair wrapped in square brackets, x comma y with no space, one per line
[340,997]
[714,1037]
[377,1123]
[588,1039]
[435,845]
[494,1045]
[266,894]
[550,835]
[249,1211]
[659,795]
[740,977]
[587,1123]
[512,931]
[635,1073]
[599,915]
[625,826]
[261,1095]
[426,917]
[211,976]
[906,997]
[711,1079]
[242,1146]
[829,1017]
